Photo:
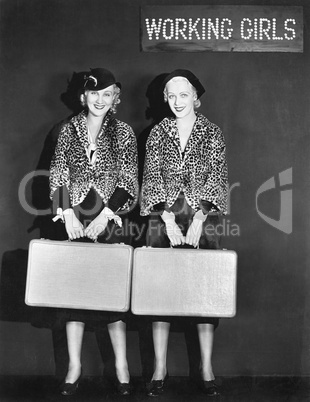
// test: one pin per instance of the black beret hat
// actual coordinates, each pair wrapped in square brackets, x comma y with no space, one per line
[99,78]
[191,78]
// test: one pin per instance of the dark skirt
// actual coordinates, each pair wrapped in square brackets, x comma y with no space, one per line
[56,318]
[156,237]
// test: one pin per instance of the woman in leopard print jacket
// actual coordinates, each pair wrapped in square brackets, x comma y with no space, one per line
[184,189]
[93,177]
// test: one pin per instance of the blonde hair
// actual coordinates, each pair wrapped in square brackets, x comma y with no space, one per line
[116,100]
[197,102]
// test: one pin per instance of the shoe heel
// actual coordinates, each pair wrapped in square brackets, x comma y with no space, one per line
[123,388]
[68,389]
[157,386]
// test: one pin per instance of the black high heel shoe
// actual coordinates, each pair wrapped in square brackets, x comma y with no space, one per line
[156,387]
[209,388]
[123,388]
[68,388]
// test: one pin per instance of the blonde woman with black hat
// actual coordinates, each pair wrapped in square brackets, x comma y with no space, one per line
[184,189]
[93,176]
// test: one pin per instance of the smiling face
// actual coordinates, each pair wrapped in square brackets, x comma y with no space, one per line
[100,102]
[180,96]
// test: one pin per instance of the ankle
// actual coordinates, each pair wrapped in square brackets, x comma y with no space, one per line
[74,372]
[122,374]
[207,376]
[159,373]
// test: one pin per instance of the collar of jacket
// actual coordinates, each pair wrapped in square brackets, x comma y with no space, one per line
[169,126]
[80,124]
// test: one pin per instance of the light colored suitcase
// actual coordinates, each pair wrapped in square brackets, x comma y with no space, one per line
[91,276]
[184,282]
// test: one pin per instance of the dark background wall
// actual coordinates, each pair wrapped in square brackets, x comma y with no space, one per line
[260,100]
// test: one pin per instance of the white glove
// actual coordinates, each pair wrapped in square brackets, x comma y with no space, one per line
[172,229]
[194,231]
[97,226]
[73,226]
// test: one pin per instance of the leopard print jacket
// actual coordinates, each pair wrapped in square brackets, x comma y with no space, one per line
[116,164]
[201,173]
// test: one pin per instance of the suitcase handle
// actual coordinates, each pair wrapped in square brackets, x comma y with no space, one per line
[195,248]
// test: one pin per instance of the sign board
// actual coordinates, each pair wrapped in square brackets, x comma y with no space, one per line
[222,28]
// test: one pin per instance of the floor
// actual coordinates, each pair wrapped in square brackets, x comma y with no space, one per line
[92,389]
